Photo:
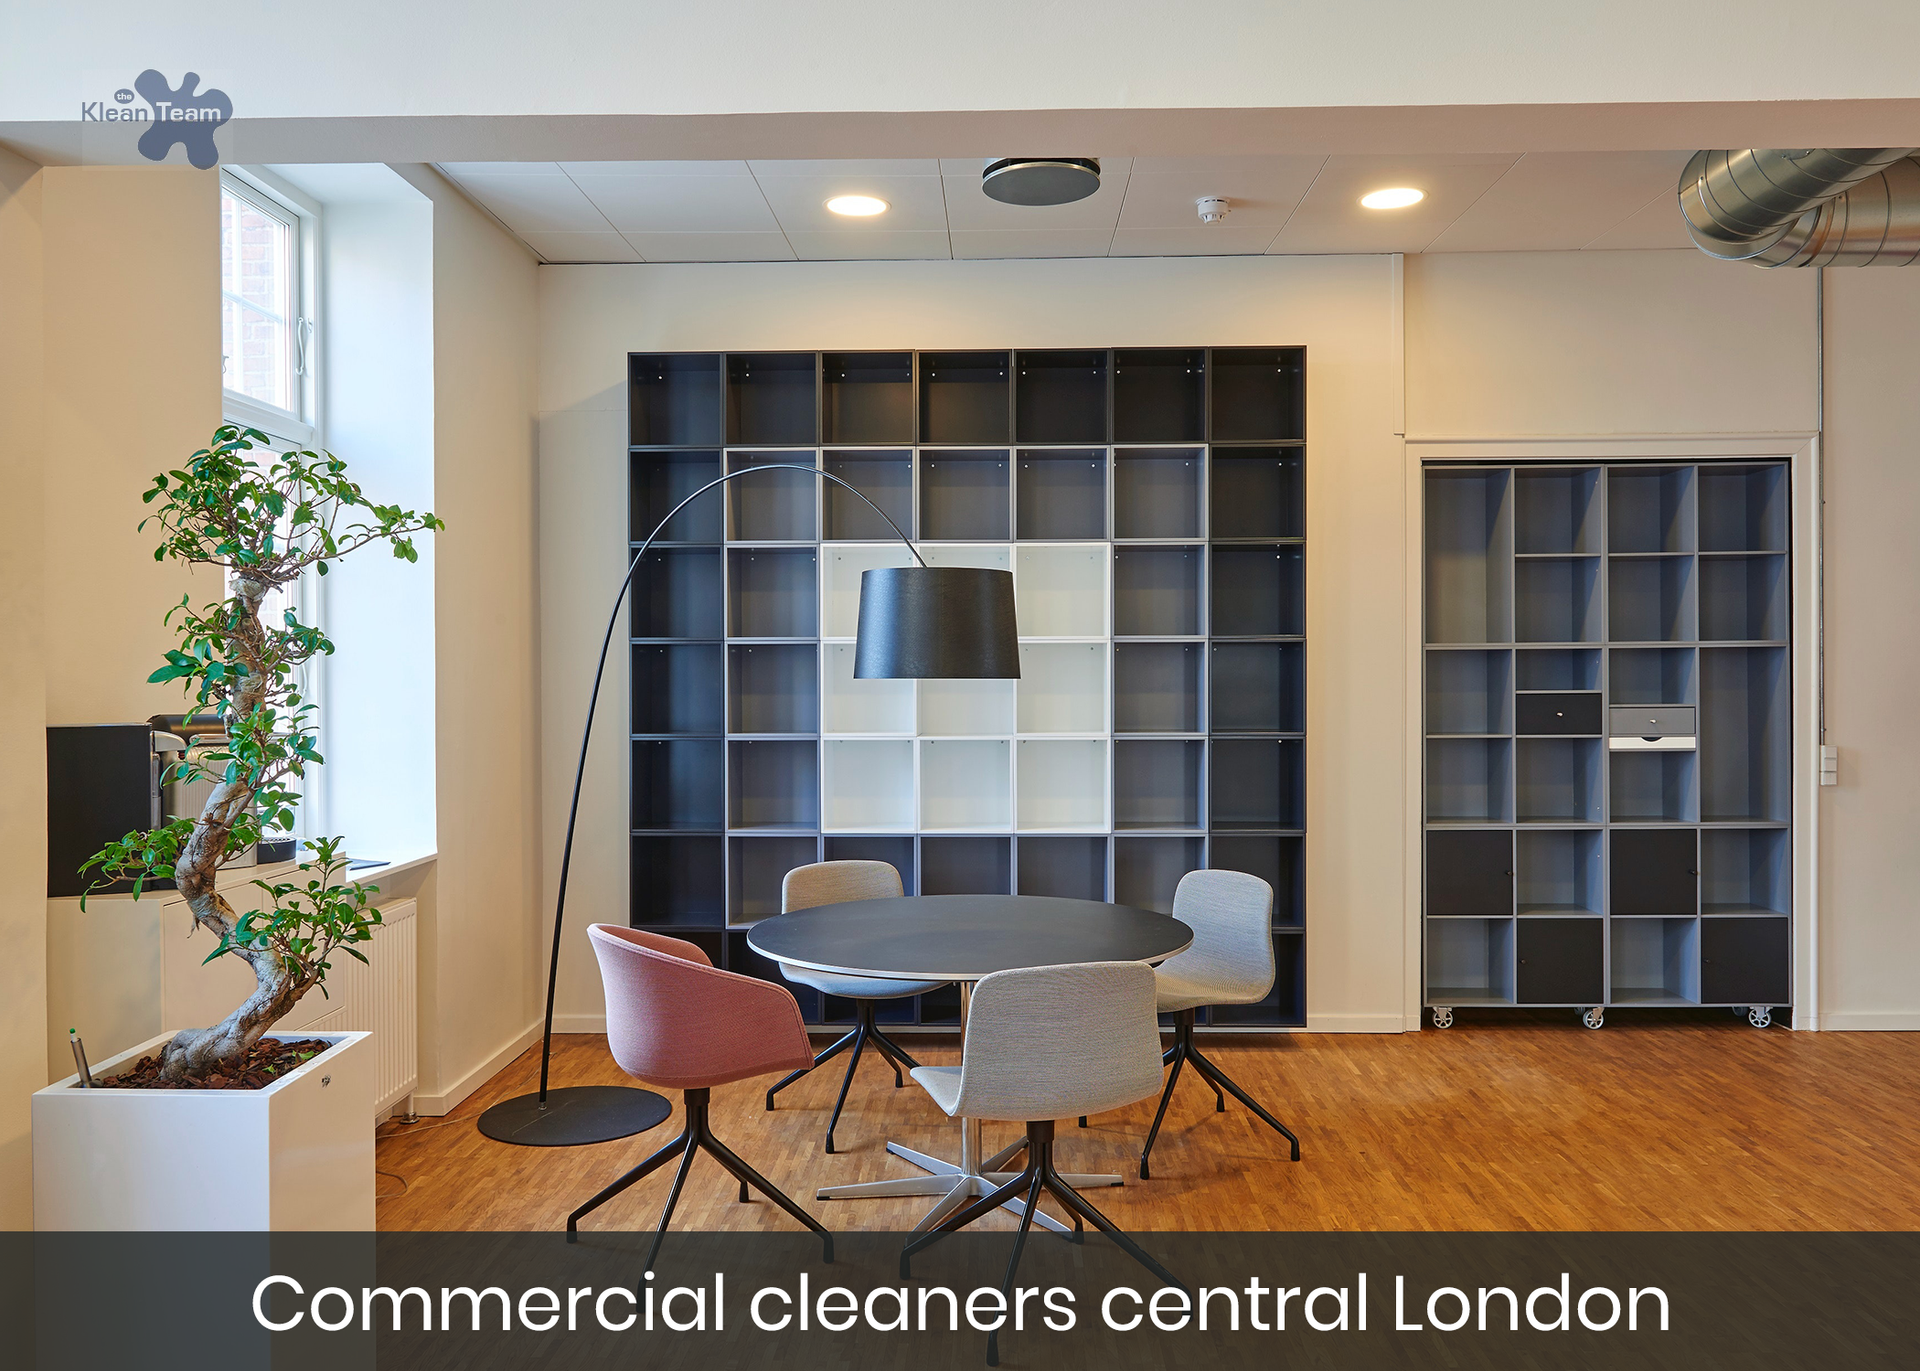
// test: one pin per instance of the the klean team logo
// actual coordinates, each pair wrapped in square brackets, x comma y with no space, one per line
[174,116]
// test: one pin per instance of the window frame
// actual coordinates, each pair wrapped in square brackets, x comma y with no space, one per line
[275,197]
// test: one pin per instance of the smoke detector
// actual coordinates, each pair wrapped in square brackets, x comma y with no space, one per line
[1041,180]
[1213,208]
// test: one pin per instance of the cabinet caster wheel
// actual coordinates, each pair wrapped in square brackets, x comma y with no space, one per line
[1442,1017]
[1760,1015]
[1594,1018]
[1739,1011]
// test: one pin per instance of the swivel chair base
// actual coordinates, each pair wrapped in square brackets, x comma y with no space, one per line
[865,1031]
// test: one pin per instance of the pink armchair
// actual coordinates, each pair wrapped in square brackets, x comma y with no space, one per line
[676,1020]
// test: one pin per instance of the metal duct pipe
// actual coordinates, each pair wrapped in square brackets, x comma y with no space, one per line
[1804,206]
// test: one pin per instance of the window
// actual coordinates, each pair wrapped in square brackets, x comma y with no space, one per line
[266,309]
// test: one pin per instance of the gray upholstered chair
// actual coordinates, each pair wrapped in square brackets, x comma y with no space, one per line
[839,883]
[1046,1043]
[1230,962]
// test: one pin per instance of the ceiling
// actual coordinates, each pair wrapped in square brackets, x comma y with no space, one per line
[765,211]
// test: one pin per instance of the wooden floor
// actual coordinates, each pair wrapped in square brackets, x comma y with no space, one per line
[1494,1124]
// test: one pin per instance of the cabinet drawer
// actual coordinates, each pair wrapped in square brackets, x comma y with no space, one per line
[1650,721]
[1576,712]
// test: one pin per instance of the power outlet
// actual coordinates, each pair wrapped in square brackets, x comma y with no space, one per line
[1829,765]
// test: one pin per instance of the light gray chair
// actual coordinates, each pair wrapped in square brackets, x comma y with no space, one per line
[839,883]
[1230,962]
[1046,1043]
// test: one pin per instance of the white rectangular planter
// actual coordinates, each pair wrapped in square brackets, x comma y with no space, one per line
[295,1155]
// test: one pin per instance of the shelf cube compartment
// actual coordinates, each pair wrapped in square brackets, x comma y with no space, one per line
[965,495]
[1061,494]
[1560,961]
[1064,868]
[677,594]
[1062,688]
[773,784]
[774,688]
[678,688]
[966,709]
[1256,783]
[1652,675]
[1557,872]
[1743,599]
[1146,871]
[1157,783]
[966,866]
[1470,872]
[1654,962]
[1259,592]
[1556,510]
[1745,871]
[867,786]
[1743,508]
[895,851]
[1156,687]
[843,567]
[1156,492]
[1060,397]
[770,399]
[1650,509]
[855,706]
[1258,493]
[678,880]
[1061,592]
[755,869]
[1653,871]
[1284,1005]
[658,481]
[965,397]
[673,399]
[1469,780]
[1258,688]
[1467,692]
[1548,668]
[1061,785]
[773,592]
[1746,733]
[866,397]
[678,783]
[1258,394]
[743,959]
[1556,600]
[774,506]
[1469,962]
[1157,591]
[1746,961]
[1159,395]
[965,784]
[1275,858]
[1654,788]
[885,478]
[1557,780]
[1652,599]
[1469,556]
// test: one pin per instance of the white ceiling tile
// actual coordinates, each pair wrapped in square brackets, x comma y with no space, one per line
[991,243]
[874,245]
[585,169]
[1560,201]
[1202,240]
[969,207]
[535,204]
[1252,168]
[1265,194]
[461,170]
[681,204]
[906,166]
[712,247]
[1331,218]
[800,203]
[581,247]
[1656,224]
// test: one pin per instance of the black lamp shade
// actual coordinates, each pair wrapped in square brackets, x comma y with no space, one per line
[936,623]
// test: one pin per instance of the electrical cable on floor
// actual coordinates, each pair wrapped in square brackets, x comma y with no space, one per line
[404,1187]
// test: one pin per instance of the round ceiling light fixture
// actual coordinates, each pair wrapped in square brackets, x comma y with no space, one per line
[1041,180]
[857,206]
[1393,197]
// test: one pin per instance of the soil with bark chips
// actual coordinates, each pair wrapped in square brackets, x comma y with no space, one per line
[267,1061]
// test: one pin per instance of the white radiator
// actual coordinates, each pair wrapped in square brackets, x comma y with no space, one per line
[377,998]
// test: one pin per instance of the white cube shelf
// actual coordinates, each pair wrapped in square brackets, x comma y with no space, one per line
[966,785]
[1062,785]
[998,556]
[842,566]
[861,707]
[966,709]
[867,786]
[1061,590]
[1062,688]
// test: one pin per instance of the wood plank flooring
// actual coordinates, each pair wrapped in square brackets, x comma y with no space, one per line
[1508,1123]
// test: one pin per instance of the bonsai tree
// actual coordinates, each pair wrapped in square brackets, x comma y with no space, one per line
[262,518]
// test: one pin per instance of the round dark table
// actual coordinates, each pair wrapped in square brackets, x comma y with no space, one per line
[962,938]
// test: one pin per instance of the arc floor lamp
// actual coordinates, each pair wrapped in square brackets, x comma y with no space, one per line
[916,622]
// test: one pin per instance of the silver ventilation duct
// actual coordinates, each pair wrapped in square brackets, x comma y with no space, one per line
[1803,207]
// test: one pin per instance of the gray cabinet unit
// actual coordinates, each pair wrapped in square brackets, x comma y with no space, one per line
[1150,504]
[1608,736]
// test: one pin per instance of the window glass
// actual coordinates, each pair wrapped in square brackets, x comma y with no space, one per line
[257,264]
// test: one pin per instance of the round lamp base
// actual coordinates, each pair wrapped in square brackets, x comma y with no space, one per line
[575,1116]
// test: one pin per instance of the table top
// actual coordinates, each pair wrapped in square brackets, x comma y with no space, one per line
[964,937]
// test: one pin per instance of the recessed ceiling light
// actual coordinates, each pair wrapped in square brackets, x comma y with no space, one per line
[860,206]
[1394,197]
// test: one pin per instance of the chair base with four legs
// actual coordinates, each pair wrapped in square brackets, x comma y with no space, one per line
[1185,1050]
[697,1136]
[865,1030]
